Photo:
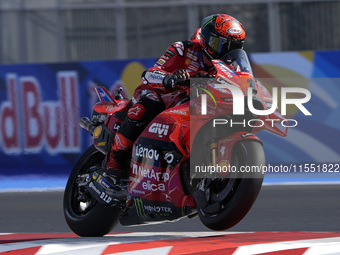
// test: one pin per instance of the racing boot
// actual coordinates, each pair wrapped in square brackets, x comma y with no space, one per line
[118,155]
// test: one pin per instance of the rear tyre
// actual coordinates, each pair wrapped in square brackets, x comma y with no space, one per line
[85,216]
[230,199]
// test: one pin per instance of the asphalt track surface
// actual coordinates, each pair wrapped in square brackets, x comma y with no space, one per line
[314,208]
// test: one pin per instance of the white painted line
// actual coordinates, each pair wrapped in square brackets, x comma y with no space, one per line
[280,246]
[90,248]
[324,249]
[111,239]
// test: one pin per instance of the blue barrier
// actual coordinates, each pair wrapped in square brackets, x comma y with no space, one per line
[40,105]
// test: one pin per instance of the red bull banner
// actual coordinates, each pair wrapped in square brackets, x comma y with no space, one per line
[40,107]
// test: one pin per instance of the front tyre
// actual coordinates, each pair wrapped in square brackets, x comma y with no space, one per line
[83,214]
[228,200]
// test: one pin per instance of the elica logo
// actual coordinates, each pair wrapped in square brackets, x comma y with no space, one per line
[238,100]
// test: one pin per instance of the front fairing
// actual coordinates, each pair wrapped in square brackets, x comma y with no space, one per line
[234,70]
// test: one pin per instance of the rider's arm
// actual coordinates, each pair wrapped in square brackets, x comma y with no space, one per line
[166,70]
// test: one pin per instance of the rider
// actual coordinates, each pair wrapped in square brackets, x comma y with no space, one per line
[219,34]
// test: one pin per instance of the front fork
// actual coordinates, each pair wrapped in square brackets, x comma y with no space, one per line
[213,152]
[214,147]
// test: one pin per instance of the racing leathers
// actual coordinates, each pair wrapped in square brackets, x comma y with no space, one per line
[179,62]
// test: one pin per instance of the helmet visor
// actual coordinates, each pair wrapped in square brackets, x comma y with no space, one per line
[222,46]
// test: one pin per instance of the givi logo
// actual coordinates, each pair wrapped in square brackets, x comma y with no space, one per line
[159,129]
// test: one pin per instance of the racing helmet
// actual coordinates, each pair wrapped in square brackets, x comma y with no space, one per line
[221,33]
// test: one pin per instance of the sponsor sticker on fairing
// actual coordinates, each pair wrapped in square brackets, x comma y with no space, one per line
[159,129]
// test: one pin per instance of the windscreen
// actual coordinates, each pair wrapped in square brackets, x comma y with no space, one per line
[239,57]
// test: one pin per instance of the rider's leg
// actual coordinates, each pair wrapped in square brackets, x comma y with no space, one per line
[139,115]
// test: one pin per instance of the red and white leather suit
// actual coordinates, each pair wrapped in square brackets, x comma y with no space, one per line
[147,102]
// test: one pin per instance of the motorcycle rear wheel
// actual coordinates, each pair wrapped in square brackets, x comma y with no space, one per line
[234,196]
[91,218]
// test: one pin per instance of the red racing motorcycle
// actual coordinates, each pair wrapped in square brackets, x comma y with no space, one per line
[195,158]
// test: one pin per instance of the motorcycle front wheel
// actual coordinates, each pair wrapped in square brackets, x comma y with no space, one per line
[83,214]
[228,200]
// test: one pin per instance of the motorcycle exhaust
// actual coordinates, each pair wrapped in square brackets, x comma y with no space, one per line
[117,194]
[106,196]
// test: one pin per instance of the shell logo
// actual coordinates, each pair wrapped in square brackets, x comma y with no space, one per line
[97,132]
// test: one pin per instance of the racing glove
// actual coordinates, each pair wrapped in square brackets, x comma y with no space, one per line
[179,77]
[202,78]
